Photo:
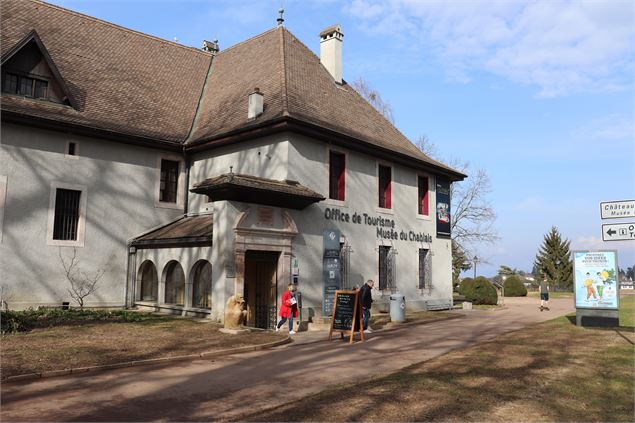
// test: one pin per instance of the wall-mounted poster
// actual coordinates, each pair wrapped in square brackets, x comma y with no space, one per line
[595,279]
[443,208]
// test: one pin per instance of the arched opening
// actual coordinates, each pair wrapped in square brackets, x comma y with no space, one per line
[174,283]
[149,286]
[202,284]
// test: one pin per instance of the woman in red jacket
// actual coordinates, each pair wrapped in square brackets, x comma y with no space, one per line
[288,308]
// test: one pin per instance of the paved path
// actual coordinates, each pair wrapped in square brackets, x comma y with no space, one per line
[230,387]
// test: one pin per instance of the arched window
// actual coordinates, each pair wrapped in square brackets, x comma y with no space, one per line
[149,281]
[202,284]
[174,283]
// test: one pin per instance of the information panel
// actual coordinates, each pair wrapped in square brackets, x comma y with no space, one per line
[595,279]
[347,315]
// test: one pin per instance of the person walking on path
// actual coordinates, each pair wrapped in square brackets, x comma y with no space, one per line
[288,308]
[544,296]
[367,301]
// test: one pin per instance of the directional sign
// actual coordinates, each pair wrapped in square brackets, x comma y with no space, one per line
[618,231]
[617,209]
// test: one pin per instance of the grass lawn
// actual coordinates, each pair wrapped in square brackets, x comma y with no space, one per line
[553,371]
[378,321]
[92,344]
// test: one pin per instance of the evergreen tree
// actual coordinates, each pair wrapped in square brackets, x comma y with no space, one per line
[554,262]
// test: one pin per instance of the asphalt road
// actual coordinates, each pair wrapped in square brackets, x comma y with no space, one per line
[233,386]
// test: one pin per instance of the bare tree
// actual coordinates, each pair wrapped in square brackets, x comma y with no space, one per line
[82,284]
[374,98]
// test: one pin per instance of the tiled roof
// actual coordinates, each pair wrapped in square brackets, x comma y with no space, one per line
[286,186]
[135,84]
[190,228]
[124,81]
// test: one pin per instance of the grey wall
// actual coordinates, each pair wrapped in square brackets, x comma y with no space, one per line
[120,181]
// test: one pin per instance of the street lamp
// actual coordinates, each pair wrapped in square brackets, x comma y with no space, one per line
[475,259]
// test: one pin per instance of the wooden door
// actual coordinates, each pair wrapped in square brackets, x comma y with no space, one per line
[261,291]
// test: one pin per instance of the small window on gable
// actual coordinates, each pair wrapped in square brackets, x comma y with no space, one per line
[25,85]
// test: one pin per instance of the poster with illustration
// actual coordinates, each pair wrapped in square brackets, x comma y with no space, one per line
[595,279]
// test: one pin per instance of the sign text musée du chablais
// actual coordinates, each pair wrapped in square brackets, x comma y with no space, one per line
[385,227]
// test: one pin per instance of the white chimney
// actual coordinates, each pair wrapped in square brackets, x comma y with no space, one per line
[331,51]
[256,104]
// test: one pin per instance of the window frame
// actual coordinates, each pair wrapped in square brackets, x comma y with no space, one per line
[390,207]
[427,258]
[67,148]
[81,223]
[341,183]
[34,79]
[429,195]
[180,186]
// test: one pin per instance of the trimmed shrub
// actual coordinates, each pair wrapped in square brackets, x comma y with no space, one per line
[514,287]
[480,291]
[26,320]
[465,285]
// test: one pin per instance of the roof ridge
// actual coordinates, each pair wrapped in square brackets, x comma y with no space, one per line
[283,54]
[120,27]
[262,34]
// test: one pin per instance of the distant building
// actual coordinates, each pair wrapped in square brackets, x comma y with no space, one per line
[192,175]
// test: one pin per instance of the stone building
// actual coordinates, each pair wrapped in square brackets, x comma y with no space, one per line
[189,175]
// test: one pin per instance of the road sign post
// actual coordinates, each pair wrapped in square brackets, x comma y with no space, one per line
[618,231]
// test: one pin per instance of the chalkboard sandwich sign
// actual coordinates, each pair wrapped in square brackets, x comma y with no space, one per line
[347,315]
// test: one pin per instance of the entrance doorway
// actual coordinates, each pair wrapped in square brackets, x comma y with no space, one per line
[261,288]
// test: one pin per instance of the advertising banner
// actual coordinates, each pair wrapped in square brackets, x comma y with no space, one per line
[331,269]
[443,208]
[595,279]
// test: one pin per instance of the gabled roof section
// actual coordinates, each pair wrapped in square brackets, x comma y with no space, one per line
[33,37]
[122,81]
[295,86]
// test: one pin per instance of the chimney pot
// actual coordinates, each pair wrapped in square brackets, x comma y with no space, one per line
[331,51]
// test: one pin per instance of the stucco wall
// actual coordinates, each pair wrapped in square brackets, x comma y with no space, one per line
[120,183]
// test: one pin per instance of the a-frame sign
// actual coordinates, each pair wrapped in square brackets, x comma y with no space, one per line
[347,315]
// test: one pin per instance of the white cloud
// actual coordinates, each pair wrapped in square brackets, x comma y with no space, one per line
[557,46]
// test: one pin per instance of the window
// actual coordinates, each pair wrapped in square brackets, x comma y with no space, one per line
[149,281]
[65,227]
[385,187]
[386,267]
[337,172]
[71,149]
[423,196]
[169,181]
[174,283]
[202,285]
[425,263]
[24,85]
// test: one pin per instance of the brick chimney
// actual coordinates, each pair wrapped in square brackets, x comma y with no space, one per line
[331,51]
[256,104]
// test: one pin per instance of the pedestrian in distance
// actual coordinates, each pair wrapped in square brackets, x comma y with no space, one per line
[288,308]
[367,301]
[544,296]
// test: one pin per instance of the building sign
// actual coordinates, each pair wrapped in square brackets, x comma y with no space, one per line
[384,227]
[443,208]
[331,269]
[595,279]
[617,209]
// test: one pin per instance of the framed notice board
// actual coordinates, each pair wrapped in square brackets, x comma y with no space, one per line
[347,315]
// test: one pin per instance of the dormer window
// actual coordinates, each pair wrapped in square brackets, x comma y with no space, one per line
[25,85]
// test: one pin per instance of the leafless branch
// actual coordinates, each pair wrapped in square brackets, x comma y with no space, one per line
[374,98]
[82,284]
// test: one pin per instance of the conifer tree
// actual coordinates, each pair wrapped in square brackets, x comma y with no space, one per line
[553,260]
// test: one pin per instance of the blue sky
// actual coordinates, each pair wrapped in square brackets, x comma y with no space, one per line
[540,94]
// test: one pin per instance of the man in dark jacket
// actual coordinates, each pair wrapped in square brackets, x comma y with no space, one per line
[367,301]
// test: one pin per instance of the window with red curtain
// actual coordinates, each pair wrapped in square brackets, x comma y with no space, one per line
[337,172]
[423,196]
[385,187]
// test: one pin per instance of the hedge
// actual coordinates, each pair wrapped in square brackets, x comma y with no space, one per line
[514,287]
[479,291]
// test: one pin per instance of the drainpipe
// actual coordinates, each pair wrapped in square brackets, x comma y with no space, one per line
[187,182]
[130,288]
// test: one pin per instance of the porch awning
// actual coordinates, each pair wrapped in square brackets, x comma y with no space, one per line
[185,231]
[253,189]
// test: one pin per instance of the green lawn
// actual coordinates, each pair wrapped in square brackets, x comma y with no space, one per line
[553,371]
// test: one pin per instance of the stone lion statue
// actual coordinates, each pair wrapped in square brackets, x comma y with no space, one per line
[235,312]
